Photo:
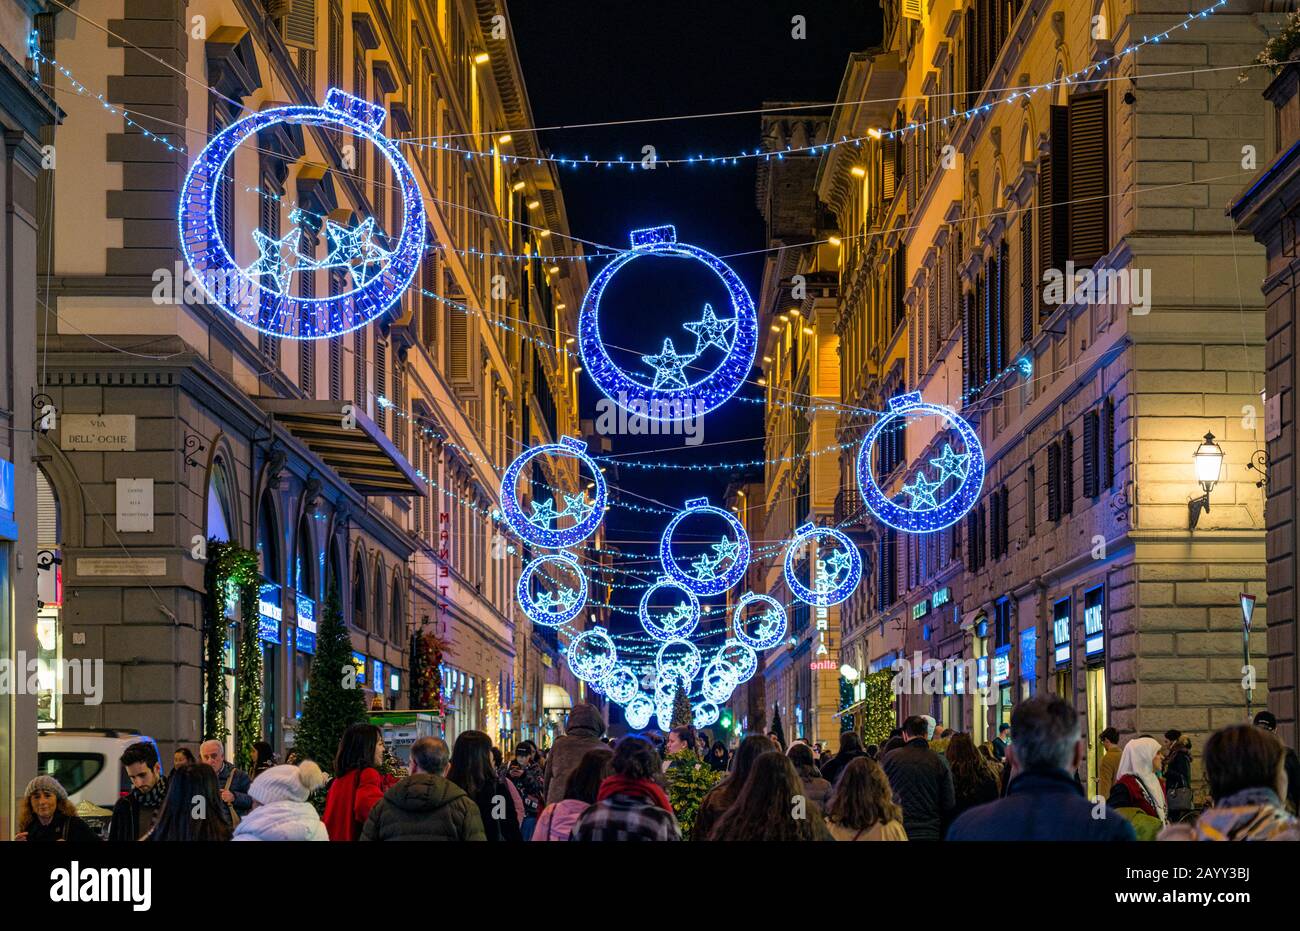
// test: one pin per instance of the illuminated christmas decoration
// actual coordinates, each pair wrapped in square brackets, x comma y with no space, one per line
[637,711]
[556,604]
[837,574]
[592,655]
[711,573]
[683,620]
[541,526]
[261,295]
[719,680]
[620,684]
[670,394]
[769,626]
[740,657]
[678,659]
[925,513]
[704,714]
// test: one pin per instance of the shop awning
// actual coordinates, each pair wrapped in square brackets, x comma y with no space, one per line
[361,455]
[554,696]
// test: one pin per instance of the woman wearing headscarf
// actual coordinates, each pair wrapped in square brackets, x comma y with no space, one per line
[1136,784]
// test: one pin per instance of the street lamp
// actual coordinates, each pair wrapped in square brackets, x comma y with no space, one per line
[1208,463]
[849,672]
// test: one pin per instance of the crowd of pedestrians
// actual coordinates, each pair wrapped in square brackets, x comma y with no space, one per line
[923,783]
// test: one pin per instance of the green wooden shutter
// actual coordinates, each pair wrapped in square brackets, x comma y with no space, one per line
[1089,213]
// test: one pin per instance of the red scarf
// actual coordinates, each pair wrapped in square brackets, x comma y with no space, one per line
[647,789]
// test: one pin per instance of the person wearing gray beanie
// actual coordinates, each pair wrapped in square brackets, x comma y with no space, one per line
[46,814]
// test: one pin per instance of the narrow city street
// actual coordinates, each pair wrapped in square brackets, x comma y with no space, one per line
[521,421]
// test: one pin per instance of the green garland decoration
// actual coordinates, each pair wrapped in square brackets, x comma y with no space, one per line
[248,676]
[878,708]
[230,571]
[847,721]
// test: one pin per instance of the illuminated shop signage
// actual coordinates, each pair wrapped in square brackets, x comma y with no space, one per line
[359,663]
[1061,632]
[941,597]
[379,676]
[269,613]
[920,610]
[1029,654]
[1094,622]
[1002,664]
[982,673]
[306,633]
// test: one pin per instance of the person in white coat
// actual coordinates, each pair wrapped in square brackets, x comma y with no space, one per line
[280,807]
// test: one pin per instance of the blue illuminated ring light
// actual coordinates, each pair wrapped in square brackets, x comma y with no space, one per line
[715,584]
[684,668]
[953,508]
[818,596]
[770,638]
[592,668]
[533,609]
[530,532]
[669,404]
[740,657]
[243,293]
[663,631]
[638,710]
[704,714]
[620,684]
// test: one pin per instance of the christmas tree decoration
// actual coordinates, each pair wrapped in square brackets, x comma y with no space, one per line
[556,603]
[670,394]
[262,295]
[620,684]
[592,655]
[681,710]
[679,659]
[637,711]
[719,680]
[836,573]
[664,625]
[777,731]
[704,714]
[740,657]
[925,511]
[541,527]
[713,572]
[427,650]
[334,700]
[763,630]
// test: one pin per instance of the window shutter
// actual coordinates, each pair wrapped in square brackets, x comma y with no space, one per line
[1111,440]
[1091,449]
[981,539]
[1067,473]
[889,165]
[995,531]
[1000,318]
[359,374]
[1089,213]
[1054,482]
[1053,188]
[429,305]
[1031,500]
[336,368]
[972,534]
[1026,276]
[381,384]
[972,53]
[900,285]
[299,26]
[458,348]
[967,348]
[1006,521]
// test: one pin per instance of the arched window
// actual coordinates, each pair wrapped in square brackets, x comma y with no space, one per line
[304,561]
[397,616]
[381,597]
[220,524]
[334,575]
[359,589]
[268,549]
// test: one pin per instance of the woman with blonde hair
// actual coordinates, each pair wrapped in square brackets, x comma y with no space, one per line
[862,806]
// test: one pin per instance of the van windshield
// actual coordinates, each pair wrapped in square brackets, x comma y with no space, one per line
[73,769]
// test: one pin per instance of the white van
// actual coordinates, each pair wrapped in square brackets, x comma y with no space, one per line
[85,762]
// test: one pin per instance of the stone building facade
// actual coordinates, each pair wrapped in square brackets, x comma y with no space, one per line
[363,466]
[1076,571]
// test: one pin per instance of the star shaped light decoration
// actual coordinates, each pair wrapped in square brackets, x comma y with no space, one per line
[724,550]
[951,464]
[681,615]
[710,331]
[836,564]
[667,366]
[705,568]
[922,492]
[544,514]
[354,249]
[277,258]
[556,602]
[577,507]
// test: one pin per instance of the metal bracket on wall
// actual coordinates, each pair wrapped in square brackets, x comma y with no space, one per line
[194,445]
[1259,462]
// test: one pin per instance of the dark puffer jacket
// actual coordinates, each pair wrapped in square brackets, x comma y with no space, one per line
[581,733]
[424,808]
[922,785]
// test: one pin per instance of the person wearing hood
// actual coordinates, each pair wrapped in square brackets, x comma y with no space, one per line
[582,732]
[280,810]
[1246,769]
[425,806]
[1137,774]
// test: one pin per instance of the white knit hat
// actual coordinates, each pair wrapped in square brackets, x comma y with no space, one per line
[286,783]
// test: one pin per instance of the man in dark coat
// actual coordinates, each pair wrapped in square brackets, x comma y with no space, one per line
[850,750]
[232,783]
[921,781]
[582,732]
[425,806]
[1000,742]
[1268,721]
[1043,801]
[134,813]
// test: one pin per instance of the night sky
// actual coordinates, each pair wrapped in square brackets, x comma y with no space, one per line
[603,61]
